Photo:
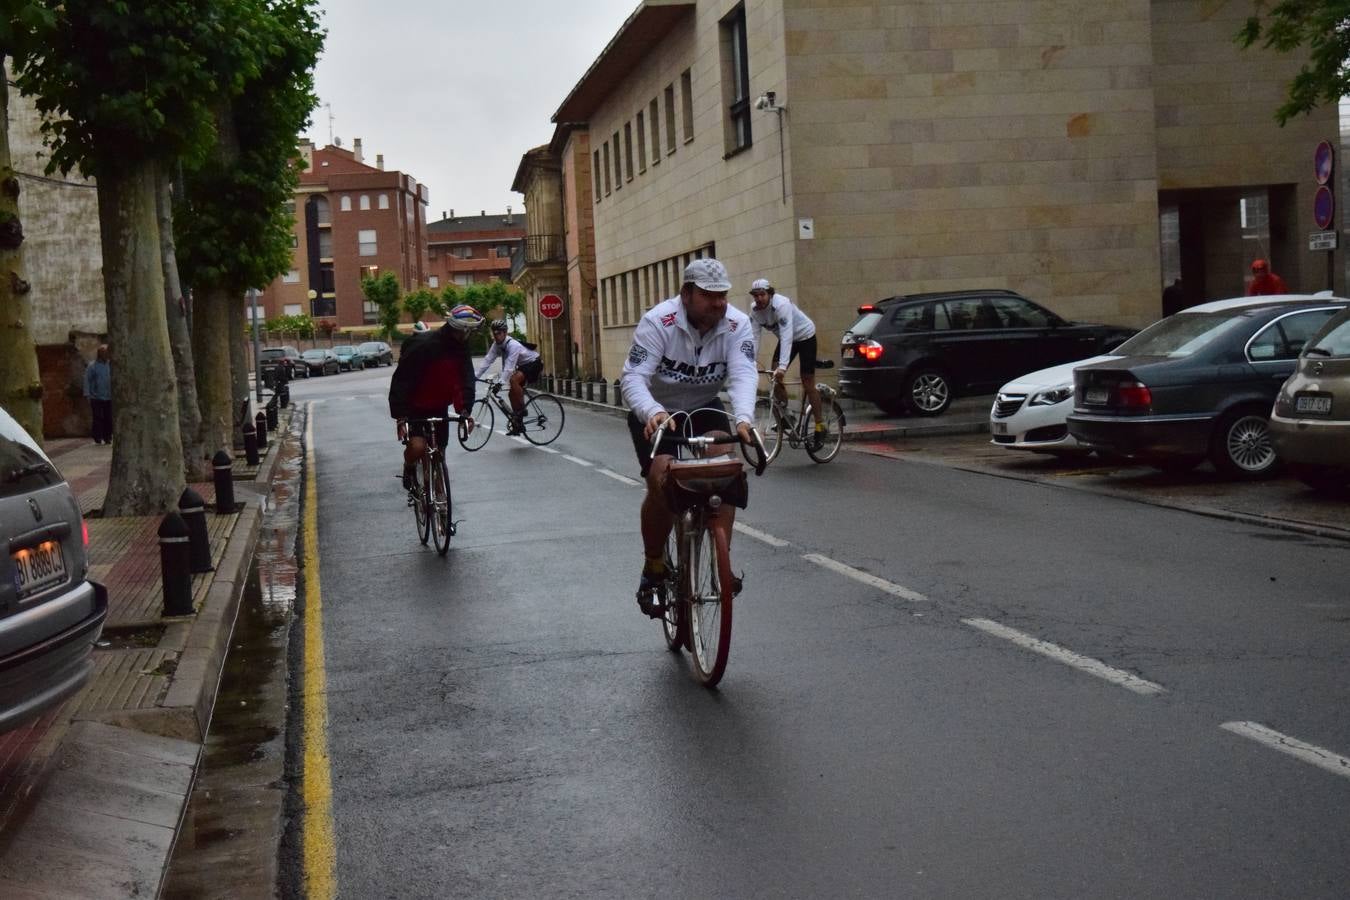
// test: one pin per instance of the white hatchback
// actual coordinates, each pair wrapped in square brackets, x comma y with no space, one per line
[1031,412]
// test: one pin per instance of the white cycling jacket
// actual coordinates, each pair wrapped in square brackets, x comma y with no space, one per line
[671,367]
[786,321]
[513,354]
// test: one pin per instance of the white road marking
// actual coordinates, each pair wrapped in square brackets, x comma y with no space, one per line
[548,450]
[1068,657]
[577,460]
[617,477]
[859,575]
[1309,753]
[760,535]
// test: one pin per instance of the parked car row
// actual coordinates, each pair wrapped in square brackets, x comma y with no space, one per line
[325,361]
[1246,384]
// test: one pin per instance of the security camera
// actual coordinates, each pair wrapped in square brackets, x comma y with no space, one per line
[762,101]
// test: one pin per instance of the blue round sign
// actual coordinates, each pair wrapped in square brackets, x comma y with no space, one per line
[1324,207]
[1324,161]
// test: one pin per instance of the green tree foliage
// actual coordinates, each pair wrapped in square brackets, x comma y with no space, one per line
[422,301]
[1323,27]
[495,299]
[384,292]
[300,326]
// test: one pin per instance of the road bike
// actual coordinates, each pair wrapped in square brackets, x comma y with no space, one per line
[429,493]
[775,421]
[540,423]
[696,596]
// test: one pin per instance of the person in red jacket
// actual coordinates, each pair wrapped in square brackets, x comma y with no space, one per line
[1264,282]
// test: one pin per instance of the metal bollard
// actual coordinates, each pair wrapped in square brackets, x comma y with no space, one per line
[618,393]
[223,465]
[272,414]
[604,387]
[192,508]
[284,394]
[260,430]
[250,443]
[174,565]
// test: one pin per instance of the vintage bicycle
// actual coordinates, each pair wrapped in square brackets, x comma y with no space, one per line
[541,422]
[697,594]
[429,495]
[776,422]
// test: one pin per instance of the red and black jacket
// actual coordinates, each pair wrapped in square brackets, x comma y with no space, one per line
[434,371]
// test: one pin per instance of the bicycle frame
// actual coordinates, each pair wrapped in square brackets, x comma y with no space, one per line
[432,493]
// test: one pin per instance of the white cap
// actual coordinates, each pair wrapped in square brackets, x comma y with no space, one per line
[760,284]
[708,274]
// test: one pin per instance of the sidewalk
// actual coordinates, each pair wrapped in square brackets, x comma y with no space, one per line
[92,794]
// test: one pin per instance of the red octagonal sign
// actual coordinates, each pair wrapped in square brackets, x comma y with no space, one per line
[550,306]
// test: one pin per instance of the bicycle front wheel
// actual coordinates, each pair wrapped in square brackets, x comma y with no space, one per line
[438,493]
[674,621]
[482,426]
[710,601]
[542,420]
[823,446]
[419,495]
[770,428]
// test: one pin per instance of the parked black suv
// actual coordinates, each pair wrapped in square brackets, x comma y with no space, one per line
[915,353]
[286,358]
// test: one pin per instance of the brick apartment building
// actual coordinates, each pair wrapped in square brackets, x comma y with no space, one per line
[467,249]
[352,219]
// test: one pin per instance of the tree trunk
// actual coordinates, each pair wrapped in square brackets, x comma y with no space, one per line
[238,362]
[196,465]
[146,477]
[20,386]
[211,352]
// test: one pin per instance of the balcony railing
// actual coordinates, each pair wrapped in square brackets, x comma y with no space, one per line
[536,249]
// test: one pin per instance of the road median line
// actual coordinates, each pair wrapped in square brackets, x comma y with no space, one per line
[1097,668]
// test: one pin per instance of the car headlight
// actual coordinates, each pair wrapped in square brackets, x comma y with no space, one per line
[1052,396]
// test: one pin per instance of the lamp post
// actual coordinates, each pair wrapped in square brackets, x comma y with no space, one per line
[257,353]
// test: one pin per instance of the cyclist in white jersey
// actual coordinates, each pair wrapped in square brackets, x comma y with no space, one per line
[685,350]
[796,333]
[520,365]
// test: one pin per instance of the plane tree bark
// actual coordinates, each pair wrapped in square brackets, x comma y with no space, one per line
[20,386]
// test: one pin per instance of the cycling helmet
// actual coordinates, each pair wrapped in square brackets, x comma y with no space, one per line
[499,325]
[419,326]
[464,318]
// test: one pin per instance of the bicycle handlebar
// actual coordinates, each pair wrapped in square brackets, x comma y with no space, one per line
[665,433]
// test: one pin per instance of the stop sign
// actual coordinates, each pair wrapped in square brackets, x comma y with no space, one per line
[550,306]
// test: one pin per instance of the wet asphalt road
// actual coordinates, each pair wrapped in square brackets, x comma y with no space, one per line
[504,723]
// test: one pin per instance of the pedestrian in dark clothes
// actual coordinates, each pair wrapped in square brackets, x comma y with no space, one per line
[98,388]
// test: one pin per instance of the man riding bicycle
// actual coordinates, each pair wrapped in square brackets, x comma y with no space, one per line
[685,350]
[520,365]
[434,370]
[796,335]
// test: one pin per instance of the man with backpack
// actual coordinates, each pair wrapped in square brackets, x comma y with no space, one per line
[521,365]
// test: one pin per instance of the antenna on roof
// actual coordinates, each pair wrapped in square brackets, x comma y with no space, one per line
[329,107]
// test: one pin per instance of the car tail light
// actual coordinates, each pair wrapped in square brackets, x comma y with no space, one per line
[869,350]
[866,308]
[84,529]
[1133,395]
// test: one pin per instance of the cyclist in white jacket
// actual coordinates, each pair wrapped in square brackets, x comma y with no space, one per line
[796,333]
[520,365]
[685,350]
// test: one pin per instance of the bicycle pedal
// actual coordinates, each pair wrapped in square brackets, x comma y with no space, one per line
[737,582]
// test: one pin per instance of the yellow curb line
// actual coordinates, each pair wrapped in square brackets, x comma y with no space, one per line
[317,840]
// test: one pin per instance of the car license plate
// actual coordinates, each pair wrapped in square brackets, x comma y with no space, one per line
[998,427]
[1097,395]
[848,353]
[1313,405]
[38,567]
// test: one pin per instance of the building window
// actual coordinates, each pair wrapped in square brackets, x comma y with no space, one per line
[434,281]
[503,251]
[653,111]
[325,244]
[462,252]
[618,163]
[670,119]
[295,242]
[365,239]
[291,277]
[291,309]
[642,143]
[606,167]
[735,82]
[463,278]
[628,149]
[384,201]
[687,104]
[345,204]
[289,207]
[370,313]
[365,201]
[595,175]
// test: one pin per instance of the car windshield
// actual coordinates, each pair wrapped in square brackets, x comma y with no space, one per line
[1179,335]
[1336,342]
[863,327]
[370,348]
[314,354]
[274,353]
[344,350]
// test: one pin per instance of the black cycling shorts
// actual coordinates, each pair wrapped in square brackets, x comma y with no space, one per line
[423,429]
[805,348]
[705,420]
[531,370]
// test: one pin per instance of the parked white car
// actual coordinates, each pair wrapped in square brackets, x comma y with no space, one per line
[1031,412]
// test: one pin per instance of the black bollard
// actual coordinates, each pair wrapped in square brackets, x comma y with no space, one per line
[250,443]
[224,477]
[260,430]
[192,508]
[604,386]
[590,391]
[284,395]
[272,414]
[618,393]
[174,566]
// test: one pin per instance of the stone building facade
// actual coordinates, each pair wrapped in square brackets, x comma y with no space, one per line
[1074,151]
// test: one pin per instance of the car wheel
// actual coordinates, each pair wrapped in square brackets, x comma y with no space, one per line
[1242,447]
[927,391]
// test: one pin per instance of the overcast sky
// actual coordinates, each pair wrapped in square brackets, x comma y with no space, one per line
[453,92]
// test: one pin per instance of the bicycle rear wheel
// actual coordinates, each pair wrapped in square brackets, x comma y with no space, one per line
[419,492]
[674,621]
[831,439]
[542,420]
[710,581]
[770,429]
[482,426]
[438,493]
